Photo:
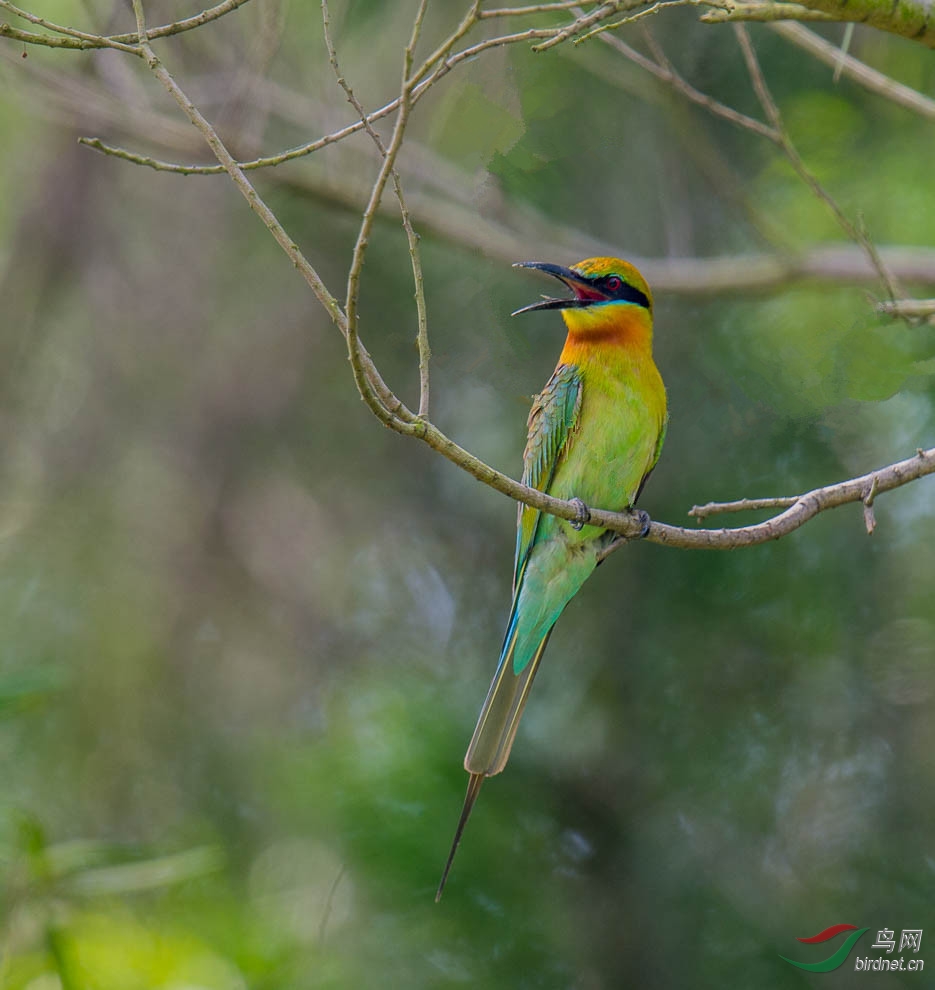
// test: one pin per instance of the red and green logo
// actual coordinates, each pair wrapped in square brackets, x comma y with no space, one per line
[835,960]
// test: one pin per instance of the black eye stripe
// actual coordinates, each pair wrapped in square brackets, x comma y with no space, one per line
[624,292]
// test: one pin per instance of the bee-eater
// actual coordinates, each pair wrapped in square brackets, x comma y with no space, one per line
[595,433]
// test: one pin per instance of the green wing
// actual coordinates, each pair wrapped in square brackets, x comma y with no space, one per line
[552,420]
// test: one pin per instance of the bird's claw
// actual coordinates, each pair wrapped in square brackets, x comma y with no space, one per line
[642,517]
[583,516]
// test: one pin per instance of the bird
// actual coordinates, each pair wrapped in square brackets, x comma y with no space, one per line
[595,433]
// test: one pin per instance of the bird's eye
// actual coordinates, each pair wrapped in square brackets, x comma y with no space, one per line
[614,283]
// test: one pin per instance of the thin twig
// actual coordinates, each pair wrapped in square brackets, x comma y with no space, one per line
[584,21]
[84,41]
[269,219]
[870,520]
[390,152]
[425,82]
[411,236]
[140,22]
[649,11]
[269,161]
[188,24]
[508,237]
[537,8]
[329,905]
[854,231]
[843,52]
[742,505]
[664,70]
[775,131]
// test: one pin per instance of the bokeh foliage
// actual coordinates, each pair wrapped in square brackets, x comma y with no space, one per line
[245,631]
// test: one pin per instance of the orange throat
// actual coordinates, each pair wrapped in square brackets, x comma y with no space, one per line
[591,331]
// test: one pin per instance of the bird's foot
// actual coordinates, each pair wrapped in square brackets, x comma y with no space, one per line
[642,517]
[583,516]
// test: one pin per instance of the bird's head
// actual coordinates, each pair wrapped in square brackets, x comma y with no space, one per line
[607,293]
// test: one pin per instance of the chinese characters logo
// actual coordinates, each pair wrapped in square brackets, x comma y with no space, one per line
[910,940]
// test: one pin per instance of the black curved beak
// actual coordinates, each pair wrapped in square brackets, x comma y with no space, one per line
[570,278]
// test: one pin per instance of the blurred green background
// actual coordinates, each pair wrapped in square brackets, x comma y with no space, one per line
[245,631]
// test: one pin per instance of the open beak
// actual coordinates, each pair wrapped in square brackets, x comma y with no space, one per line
[584,292]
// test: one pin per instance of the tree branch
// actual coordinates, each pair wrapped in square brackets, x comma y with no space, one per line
[920,309]
[764,10]
[742,505]
[774,131]
[855,232]
[648,11]
[801,509]
[665,71]
[301,263]
[909,18]
[853,68]
[188,24]
[84,41]
[422,340]
[69,42]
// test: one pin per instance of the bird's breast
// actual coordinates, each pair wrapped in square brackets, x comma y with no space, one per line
[623,411]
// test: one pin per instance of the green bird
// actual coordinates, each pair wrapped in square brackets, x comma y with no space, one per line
[595,433]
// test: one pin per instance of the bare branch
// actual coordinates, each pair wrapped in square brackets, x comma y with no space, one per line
[665,71]
[270,161]
[31,38]
[301,263]
[508,238]
[775,131]
[73,41]
[870,520]
[140,21]
[909,18]
[804,507]
[412,239]
[411,236]
[188,24]
[765,10]
[425,82]
[923,309]
[648,11]
[67,31]
[83,41]
[854,231]
[742,505]
[584,21]
[856,70]
[537,8]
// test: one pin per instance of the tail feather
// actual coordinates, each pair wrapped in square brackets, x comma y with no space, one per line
[496,727]
[474,785]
